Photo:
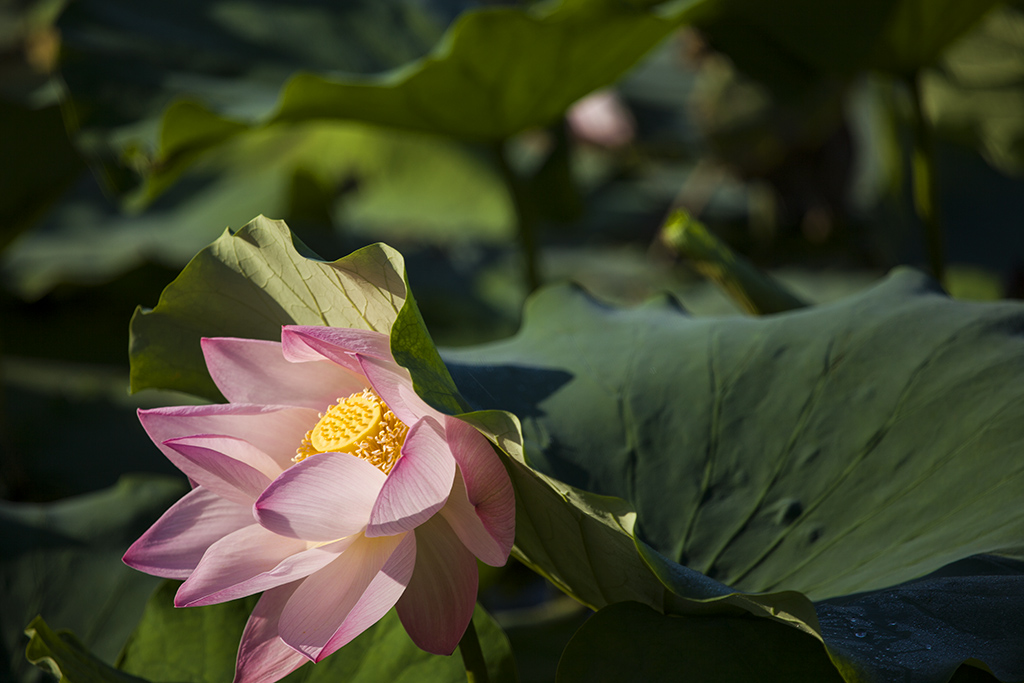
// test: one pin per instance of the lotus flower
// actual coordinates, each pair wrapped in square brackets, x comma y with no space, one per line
[328,484]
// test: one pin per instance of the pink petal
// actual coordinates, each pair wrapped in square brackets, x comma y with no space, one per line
[176,542]
[482,507]
[256,371]
[419,483]
[438,604]
[337,344]
[229,478]
[380,596]
[275,430]
[324,600]
[251,560]
[393,383]
[238,449]
[323,498]
[262,655]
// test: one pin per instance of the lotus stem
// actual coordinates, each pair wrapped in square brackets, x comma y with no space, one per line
[473,656]
[526,220]
[754,290]
[925,180]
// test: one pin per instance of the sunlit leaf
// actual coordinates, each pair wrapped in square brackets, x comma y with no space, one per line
[249,284]
[496,72]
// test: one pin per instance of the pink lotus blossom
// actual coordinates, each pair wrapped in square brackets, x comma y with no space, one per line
[331,487]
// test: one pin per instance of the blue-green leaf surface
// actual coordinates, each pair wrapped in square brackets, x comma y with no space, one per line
[836,449]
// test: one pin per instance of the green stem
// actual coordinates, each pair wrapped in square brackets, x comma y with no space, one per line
[756,292]
[473,656]
[925,180]
[525,218]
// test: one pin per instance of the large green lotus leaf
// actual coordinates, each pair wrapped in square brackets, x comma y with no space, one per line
[496,72]
[836,449]
[976,95]
[585,545]
[431,185]
[198,645]
[63,560]
[249,284]
[796,42]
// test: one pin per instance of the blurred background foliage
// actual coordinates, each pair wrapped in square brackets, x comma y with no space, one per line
[497,145]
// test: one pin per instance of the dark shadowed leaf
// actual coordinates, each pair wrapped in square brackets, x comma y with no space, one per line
[925,630]
[63,561]
[630,642]
[125,62]
[789,45]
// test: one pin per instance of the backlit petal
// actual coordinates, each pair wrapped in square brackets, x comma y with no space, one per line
[176,542]
[256,371]
[419,483]
[322,498]
[275,430]
[251,560]
[322,602]
[482,507]
[438,603]
[217,472]
[337,344]
[262,655]
[380,596]
[393,383]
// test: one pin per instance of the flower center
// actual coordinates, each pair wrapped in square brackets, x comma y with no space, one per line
[361,425]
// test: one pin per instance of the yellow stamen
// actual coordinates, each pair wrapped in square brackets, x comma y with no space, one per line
[361,425]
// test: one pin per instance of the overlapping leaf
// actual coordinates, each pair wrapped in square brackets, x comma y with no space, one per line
[249,284]
[836,449]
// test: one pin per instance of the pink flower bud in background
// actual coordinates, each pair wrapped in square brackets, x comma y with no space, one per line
[602,119]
